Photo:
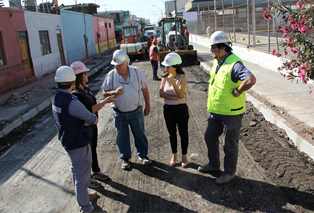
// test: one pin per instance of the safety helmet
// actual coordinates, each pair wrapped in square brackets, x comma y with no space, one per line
[119,57]
[64,74]
[172,59]
[79,67]
[219,37]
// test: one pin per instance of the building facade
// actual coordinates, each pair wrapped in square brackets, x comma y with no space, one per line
[104,34]
[15,59]
[46,42]
[78,30]
[121,18]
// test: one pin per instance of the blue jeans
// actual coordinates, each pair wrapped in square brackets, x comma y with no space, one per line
[135,120]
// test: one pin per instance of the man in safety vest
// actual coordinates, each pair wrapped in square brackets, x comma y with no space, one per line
[229,80]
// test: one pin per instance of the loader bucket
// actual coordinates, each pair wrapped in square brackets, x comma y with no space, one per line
[189,57]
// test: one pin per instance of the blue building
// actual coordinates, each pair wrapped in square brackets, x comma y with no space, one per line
[78,33]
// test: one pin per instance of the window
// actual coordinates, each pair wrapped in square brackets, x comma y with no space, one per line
[109,25]
[105,25]
[2,56]
[44,42]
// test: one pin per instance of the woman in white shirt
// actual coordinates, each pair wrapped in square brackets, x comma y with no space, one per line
[173,89]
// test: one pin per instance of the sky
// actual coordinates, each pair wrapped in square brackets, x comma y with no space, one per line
[150,9]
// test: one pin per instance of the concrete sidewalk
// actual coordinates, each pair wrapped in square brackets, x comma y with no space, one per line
[23,104]
[287,104]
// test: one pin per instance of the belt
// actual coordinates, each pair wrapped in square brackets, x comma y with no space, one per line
[117,110]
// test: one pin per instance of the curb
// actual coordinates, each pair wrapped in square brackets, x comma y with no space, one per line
[39,108]
[273,117]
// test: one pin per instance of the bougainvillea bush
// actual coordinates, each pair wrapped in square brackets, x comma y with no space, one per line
[296,28]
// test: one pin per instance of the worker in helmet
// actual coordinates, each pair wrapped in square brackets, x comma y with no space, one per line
[173,89]
[130,87]
[154,58]
[228,83]
[87,98]
[72,118]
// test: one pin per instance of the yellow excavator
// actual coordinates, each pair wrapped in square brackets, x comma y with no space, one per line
[175,37]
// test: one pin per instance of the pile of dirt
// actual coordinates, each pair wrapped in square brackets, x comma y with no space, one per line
[282,162]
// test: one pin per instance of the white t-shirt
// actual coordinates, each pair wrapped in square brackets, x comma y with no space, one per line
[132,96]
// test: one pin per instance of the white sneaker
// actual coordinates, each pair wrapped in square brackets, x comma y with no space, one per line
[225,178]
[145,160]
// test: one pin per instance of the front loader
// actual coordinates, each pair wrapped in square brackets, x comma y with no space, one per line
[174,37]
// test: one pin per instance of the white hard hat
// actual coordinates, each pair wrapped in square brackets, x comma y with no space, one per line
[119,57]
[64,74]
[172,59]
[79,67]
[219,37]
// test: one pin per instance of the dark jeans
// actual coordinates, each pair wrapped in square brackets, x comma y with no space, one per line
[95,165]
[155,68]
[231,147]
[177,115]
[134,120]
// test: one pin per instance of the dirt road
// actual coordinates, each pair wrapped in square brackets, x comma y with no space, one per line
[272,176]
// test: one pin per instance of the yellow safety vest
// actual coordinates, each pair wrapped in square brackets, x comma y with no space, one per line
[220,98]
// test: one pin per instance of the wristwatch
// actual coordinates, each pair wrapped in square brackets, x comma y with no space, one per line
[235,92]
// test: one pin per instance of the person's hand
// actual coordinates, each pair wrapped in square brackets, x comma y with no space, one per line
[161,92]
[146,110]
[171,75]
[109,99]
[235,92]
[119,91]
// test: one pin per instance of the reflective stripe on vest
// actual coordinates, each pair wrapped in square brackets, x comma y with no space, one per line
[220,98]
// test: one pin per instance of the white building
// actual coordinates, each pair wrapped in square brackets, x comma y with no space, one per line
[45,41]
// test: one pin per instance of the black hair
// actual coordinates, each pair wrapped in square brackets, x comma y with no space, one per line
[179,69]
[78,80]
[65,85]
[227,48]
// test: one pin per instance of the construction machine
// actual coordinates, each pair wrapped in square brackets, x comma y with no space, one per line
[175,37]
[131,43]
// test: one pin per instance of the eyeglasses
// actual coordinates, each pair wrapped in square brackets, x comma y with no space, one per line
[214,46]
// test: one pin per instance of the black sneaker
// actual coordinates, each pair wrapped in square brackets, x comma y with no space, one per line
[208,169]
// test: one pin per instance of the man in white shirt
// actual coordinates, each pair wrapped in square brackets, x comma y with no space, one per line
[130,87]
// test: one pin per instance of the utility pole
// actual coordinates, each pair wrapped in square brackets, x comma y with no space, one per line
[215,14]
[223,14]
[175,17]
[268,27]
[233,23]
[254,22]
[248,23]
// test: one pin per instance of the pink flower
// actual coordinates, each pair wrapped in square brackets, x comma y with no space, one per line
[274,52]
[300,4]
[303,71]
[294,50]
[303,28]
[290,42]
[302,74]
[267,15]
[294,25]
